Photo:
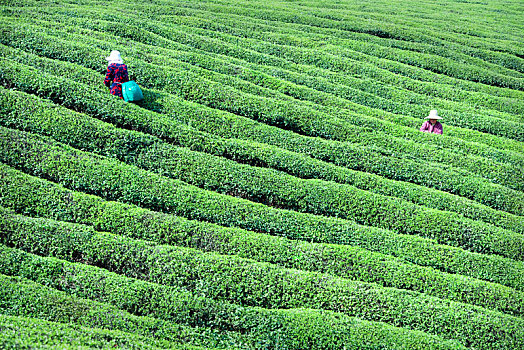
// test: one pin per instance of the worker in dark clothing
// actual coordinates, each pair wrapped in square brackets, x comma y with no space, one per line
[116,73]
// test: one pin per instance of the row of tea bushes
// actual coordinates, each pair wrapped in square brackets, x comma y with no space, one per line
[499,172]
[32,333]
[262,185]
[349,24]
[124,115]
[382,99]
[317,37]
[292,328]
[371,259]
[387,68]
[474,119]
[292,163]
[234,279]
[23,298]
[121,182]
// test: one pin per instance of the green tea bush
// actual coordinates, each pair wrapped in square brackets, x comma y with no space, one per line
[390,102]
[326,21]
[265,186]
[437,154]
[36,197]
[350,121]
[295,328]
[16,112]
[24,298]
[22,332]
[226,210]
[127,116]
[156,24]
[231,278]
[118,181]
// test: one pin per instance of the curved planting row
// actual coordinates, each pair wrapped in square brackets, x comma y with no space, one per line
[417,86]
[31,333]
[263,185]
[242,22]
[384,28]
[230,74]
[22,298]
[97,103]
[478,70]
[246,24]
[139,190]
[293,328]
[26,194]
[454,321]
[322,84]
[473,120]
[371,94]
[15,106]
[336,63]
[119,181]
[433,63]
[220,277]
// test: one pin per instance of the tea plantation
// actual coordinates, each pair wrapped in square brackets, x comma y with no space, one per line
[272,190]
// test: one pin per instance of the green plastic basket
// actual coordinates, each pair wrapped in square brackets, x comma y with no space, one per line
[131,92]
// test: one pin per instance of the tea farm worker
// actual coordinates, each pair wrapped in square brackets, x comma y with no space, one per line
[116,73]
[432,125]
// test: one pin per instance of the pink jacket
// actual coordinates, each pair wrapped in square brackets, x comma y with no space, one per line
[428,127]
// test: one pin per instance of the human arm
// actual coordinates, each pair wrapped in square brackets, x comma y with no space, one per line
[425,126]
[110,75]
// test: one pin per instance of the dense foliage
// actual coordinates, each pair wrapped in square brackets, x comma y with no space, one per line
[272,190]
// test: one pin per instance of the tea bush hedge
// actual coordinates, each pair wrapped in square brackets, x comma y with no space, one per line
[36,197]
[218,276]
[127,116]
[119,181]
[294,328]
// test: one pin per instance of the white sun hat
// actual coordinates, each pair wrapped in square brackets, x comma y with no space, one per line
[115,57]
[433,115]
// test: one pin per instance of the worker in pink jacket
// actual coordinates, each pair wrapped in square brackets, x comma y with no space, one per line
[432,125]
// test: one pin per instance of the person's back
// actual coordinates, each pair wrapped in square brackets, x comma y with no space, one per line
[116,74]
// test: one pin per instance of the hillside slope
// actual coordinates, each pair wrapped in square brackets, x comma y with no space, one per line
[272,190]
